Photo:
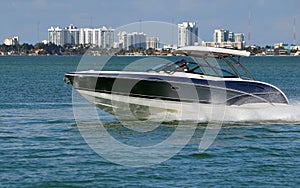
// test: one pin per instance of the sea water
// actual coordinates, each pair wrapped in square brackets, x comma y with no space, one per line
[41,144]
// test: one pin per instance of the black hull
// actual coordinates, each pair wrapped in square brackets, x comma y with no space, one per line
[229,92]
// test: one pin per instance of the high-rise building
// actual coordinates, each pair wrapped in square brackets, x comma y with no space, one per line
[56,35]
[221,35]
[132,40]
[71,35]
[82,36]
[99,37]
[88,36]
[152,42]
[231,36]
[96,37]
[187,34]
[62,36]
[107,37]
[123,40]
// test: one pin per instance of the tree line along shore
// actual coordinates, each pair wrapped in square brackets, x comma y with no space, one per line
[67,49]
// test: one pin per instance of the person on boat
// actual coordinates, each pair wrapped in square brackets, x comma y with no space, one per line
[183,65]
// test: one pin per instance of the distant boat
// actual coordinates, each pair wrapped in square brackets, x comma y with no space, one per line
[202,76]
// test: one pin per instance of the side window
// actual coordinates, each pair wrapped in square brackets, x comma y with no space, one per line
[191,66]
[198,71]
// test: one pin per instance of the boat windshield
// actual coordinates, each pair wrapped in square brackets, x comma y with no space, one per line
[219,67]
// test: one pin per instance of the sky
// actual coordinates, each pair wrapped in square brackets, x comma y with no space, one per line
[271,21]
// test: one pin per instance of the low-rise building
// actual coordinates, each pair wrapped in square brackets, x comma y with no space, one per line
[281,45]
[228,44]
[294,47]
[270,51]
[223,38]
[11,41]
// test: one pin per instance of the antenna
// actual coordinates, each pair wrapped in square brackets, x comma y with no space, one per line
[294,29]
[140,34]
[38,31]
[249,28]
[172,27]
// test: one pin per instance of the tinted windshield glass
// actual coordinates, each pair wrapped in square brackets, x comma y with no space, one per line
[203,66]
[215,67]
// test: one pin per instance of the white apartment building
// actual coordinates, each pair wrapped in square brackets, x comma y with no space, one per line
[226,39]
[71,35]
[239,37]
[152,42]
[11,41]
[98,37]
[187,34]
[222,35]
[106,38]
[57,35]
[88,35]
[132,40]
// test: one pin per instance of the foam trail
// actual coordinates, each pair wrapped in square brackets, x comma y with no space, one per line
[251,113]
[264,114]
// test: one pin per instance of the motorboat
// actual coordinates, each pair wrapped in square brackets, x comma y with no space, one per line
[200,76]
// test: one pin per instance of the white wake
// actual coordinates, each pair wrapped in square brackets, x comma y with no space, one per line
[252,113]
[256,113]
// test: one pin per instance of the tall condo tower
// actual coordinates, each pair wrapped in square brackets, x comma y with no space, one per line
[187,34]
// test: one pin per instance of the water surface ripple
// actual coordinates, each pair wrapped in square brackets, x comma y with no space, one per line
[41,145]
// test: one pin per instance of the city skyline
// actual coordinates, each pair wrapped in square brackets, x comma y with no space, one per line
[267,21]
[101,37]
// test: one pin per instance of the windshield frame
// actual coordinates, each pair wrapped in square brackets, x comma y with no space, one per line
[202,66]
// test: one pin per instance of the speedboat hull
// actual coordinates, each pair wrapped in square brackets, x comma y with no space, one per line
[176,88]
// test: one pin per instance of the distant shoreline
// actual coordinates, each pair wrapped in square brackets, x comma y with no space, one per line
[127,55]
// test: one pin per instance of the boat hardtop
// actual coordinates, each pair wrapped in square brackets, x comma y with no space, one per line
[207,61]
[202,51]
